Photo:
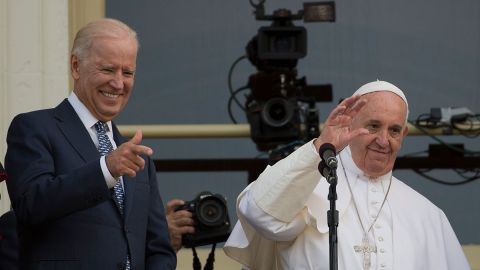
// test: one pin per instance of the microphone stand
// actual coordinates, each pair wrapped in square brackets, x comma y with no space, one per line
[332,217]
[330,174]
[328,168]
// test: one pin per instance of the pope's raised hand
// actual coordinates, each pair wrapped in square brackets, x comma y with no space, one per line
[126,159]
[337,129]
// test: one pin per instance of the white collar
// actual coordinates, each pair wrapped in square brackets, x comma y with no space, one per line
[83,113]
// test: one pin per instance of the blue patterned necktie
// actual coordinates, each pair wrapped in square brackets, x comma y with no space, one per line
[104,147]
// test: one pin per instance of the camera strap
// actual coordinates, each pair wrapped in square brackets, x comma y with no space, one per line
[197,265]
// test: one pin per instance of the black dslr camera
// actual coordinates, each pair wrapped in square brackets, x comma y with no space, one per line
[212,224]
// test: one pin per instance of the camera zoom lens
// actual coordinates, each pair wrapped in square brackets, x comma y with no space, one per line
[277,112]
[211,212]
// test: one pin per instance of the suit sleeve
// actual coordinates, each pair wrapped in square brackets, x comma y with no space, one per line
[40,189]
[159,253]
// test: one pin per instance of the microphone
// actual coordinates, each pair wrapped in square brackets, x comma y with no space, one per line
[3,174]
[327,153]
[326,172]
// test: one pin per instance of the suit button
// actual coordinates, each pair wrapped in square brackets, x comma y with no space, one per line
[125,229]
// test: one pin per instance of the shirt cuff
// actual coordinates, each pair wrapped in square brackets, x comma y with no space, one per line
[109,179]
[282,189]
[312,145]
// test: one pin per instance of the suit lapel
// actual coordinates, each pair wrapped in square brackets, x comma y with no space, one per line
[129,186]
[74,131]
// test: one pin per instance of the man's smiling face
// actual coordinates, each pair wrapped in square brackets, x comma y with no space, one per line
[104,79]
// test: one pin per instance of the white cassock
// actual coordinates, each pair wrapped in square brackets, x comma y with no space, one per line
[283,224]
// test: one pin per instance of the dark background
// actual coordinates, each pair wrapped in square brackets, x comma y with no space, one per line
[430,49]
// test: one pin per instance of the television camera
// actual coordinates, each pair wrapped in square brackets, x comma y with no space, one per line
[281,108]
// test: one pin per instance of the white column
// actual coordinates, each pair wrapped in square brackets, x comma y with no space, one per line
[33,62]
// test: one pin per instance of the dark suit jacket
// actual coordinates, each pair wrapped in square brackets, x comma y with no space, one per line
[67,218]
[8,242]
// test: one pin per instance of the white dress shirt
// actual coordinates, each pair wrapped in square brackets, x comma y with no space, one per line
[89,121]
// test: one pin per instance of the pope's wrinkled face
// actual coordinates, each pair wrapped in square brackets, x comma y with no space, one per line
[384,117]
[103,81]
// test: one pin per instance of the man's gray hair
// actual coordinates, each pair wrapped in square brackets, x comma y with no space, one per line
[105,27]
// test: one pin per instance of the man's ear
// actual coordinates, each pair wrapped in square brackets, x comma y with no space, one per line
[405,131]
[74,66]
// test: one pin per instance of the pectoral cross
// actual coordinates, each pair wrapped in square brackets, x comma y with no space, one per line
[366,249]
